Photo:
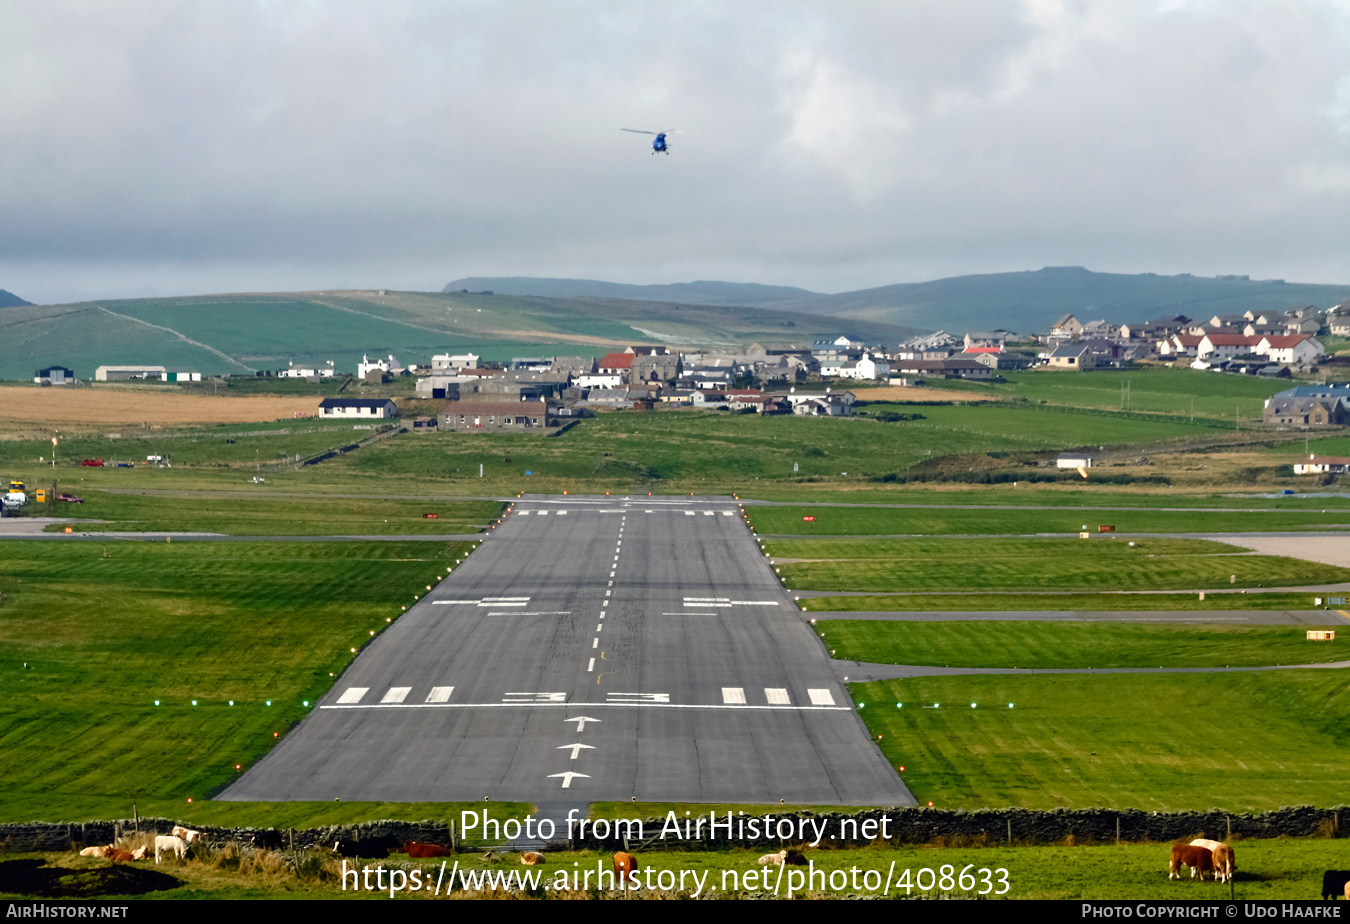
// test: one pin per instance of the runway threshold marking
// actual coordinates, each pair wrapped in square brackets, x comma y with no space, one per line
[639,697]
[440,694]
[536,698]
[733,695]
[353,695]
[821,697]
[395,694]
[777,696]
[620,703]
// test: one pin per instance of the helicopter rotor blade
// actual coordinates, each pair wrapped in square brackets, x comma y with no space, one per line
[638,131]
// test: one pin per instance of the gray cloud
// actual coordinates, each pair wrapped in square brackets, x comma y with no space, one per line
[163,148]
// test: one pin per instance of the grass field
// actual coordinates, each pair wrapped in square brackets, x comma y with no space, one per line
[1236,741]
[1021,564]
[229,638]
[1069,645]
[274,515]
[1153,389]
[1119,601]
[937,521]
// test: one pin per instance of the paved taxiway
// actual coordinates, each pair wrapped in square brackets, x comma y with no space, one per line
[593,648]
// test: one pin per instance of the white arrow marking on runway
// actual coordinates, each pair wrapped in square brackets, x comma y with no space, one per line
[567,777]
[576,748]
[581,721]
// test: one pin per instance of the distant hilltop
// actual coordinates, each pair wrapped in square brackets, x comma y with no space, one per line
[737,294]
[10,300]
[1024,301]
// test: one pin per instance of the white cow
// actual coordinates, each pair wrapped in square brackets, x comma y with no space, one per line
[166,842]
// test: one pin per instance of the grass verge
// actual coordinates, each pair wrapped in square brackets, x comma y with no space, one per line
[146,672]
[1169,742]
[1072,645]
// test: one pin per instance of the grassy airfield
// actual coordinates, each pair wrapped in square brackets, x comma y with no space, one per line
[80,738]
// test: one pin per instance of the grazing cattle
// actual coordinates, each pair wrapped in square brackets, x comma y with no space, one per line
[187,834]
[532,858]
[1225,858]
[96,851]
[773,859]
[374,848]
[1199,859]
[165,843]
[625,869]
[416,851]
[1335,882]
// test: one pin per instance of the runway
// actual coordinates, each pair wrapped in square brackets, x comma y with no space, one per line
[593,648]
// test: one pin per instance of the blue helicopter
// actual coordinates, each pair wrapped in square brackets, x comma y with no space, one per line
[660,143]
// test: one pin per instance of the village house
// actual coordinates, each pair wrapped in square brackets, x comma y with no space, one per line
[357,408]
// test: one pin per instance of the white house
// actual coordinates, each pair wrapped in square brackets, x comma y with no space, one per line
[359,408]
[1291,349]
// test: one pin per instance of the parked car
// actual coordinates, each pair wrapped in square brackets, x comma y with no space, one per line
[93,463]
[70,498]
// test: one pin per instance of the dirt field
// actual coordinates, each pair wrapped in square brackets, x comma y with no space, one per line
[97,407]
[920,393]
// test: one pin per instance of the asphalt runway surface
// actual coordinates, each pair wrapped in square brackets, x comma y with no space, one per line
[592,649]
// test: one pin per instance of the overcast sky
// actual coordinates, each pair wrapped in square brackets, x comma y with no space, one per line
[167,148]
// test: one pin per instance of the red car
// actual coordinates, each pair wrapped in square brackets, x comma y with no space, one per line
[70,498]
[93,463]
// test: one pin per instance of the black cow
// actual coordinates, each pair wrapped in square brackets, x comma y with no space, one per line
[372,848]
[1333,883]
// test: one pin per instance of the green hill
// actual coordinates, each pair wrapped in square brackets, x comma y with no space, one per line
[743,294]
[242,333]
[1031,301]
[1026,302]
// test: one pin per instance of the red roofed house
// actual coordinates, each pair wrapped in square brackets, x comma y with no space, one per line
[1215,347]
[1291,349]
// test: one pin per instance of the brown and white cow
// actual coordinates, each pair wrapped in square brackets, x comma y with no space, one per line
[1199,859]
[1225,858]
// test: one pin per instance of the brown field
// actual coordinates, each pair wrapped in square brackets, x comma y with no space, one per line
[920,393]
[96,407]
